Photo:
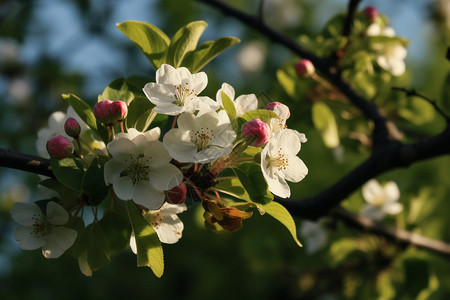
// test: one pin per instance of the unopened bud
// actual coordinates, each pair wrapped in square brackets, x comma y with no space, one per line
[256,132]
[102,112]
[177,195]
[280,109]
[305,68]
[72,128]
[371,13]
[118,110]
[59,147]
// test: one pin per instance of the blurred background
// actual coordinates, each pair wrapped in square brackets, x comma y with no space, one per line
[50,47]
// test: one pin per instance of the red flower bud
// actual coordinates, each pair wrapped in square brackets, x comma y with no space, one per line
[72,128]
[371,13]
[118,110]
[256,132]
[59,147]
[102,112]
[177,195]
[304,68]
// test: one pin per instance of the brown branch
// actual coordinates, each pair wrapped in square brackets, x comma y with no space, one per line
[401,237]
[25,162]
[351,12]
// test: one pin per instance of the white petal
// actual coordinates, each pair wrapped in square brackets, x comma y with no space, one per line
[289,140]
[245,103]
[172,209]
[180,149]
[153,134]
[58,241]
[145,194]
[170,230]
[169,109]
[166,177]
[392,191]
[56,214]
[371,190]
[55,120]
[373,212]
[186,121]
[123,188]
[392,208]
[228,90]
[167,74]
[133,243]
[121,148]
[203,104]
[198,82]
[157,154]
[296,170]
[159,93]
[113,168]
[22,213]
[27,239]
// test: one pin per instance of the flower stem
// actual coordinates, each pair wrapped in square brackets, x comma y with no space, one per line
[174,121]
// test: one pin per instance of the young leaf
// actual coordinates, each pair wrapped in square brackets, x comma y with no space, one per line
[140,114]
[117,90]
[263,114]
[148,38]
[325,123]
[67,172]
[149,249]
[93,183]
[254,183]
[82,109]
[280,213]
[184,41]
[200,57]
[230,109]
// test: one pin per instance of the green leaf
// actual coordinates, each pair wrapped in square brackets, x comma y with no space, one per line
[67,172]
[288,80]
[149,249]
[65,193]
[254,183]
[140,114]
[93,183]
[228,105]
[116,229]
[444,103]
[82,109]
[325,123]
[117,90]
[263,114]
[98,252]
[149,39]
[280,213]
[184,41]
[197,59]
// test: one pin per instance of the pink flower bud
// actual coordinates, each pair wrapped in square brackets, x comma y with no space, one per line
[371,13]
[177,195]
[256,132]
[305,68]
[118,110]
[72,128]
[280,109]
[59,147]
[102,112]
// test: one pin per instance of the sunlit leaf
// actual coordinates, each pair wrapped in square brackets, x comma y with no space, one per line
[82,109]
[325,123]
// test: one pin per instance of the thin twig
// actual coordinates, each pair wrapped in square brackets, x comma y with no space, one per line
[351,12]
[413,93]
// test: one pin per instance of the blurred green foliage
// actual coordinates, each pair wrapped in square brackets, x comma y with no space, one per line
[260,260]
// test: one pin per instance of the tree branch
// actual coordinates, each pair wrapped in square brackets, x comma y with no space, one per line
[351,12]
[25,162]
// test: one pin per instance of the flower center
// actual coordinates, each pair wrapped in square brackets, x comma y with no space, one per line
[138,168]
[278,163]
[379,200]
[153,218]
[202,137]
[40,227]
[183,94]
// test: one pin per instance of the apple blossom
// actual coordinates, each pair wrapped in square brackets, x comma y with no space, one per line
[176,91]
[200,139]
[256,132]
[38,230]
[283,113]
[140,168]
[72,128]
[59,147]
[242,103]
[280,163]
[381,200]
[166,223]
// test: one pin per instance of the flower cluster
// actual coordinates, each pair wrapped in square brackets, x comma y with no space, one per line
[211,146]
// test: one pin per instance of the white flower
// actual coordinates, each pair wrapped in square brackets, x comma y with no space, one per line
[381,200]
[166,223]
[200,139]
[283,113]
[242,103]
[176,90]
[38,230]
[391,55]
[315,235]
[280,163]
[140,168]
